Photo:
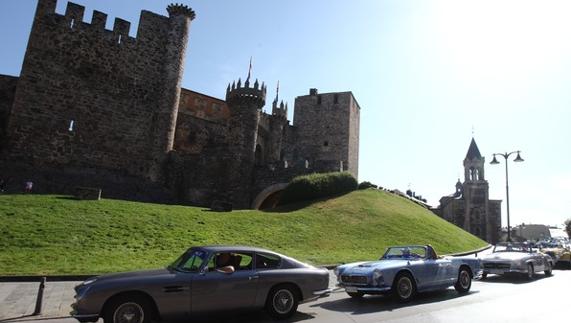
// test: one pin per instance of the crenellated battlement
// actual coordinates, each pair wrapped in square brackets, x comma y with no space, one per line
[74,16]
[176,9]
[236,93]
[279,110]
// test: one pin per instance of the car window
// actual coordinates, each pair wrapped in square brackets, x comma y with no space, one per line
[238,260]
[265,261]
[192,261]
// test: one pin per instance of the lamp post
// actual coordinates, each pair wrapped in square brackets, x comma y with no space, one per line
[495,162]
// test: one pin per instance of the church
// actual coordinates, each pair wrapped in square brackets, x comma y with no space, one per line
[470,207]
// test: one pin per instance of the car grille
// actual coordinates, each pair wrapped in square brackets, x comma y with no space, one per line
[354,279]
[496,265]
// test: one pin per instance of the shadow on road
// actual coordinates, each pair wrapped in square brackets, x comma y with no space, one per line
[246,317]
[381,303]
[512,279]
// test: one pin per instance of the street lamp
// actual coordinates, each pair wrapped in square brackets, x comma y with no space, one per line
[495,162]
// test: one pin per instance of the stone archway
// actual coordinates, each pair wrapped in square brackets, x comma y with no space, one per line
[267,192]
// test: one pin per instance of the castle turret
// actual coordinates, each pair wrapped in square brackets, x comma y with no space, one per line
[180,18]
[245,104]
[278,121]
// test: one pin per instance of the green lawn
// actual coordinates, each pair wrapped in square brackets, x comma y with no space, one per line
[46,234]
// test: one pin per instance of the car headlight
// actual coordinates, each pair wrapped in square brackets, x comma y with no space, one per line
[377,277]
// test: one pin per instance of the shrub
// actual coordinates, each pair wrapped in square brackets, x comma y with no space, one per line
[314,186]
[365,185]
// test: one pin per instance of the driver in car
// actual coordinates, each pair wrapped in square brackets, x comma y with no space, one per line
[223,263]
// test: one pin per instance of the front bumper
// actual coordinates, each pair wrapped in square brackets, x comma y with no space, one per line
[84,317]
[506,271]
[365,289]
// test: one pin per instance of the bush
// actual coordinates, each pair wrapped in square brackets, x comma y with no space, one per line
[365,185]
[314,186]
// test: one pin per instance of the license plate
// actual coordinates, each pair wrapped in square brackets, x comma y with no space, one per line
[496,271]
[351,289]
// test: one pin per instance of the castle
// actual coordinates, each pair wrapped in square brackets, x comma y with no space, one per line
[99,108]
[470,206]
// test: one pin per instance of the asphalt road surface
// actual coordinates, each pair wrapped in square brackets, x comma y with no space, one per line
[497,299]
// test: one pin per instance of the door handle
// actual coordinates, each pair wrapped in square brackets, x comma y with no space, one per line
[253,277]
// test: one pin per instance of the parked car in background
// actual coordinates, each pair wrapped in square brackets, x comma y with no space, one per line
[202,280]
[559,251]
[516,257]
[406,270]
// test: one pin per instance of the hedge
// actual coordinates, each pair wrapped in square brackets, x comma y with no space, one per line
[314,186]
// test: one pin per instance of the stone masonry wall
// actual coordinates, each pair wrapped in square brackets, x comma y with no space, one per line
[327,128]
[7,91]
[91,97]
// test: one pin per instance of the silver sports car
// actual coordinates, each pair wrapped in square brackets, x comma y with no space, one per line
[515,257]
[203,279]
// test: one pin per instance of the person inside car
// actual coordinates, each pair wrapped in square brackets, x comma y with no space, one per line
[224,263]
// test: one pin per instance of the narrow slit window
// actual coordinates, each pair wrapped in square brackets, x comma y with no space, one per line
[119,40]
[72,23]
[71,125]
[319,99]
[336,98]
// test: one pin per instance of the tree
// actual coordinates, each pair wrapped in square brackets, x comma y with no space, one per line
[568,227]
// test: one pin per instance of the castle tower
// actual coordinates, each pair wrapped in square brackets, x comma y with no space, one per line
[180,18]
[245,104]
[327,128]
[278,121]
[89,98]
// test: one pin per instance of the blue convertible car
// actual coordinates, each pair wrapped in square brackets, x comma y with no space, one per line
[406,270]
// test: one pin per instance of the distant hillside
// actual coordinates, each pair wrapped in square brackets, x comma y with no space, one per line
[46,234]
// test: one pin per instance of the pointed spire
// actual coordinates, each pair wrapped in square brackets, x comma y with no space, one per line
[239,85]
[473,151]
[249,71]
[256,84]
[233,85]
[277,92]
[228,89]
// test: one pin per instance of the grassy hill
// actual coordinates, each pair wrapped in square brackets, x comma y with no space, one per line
[46,234]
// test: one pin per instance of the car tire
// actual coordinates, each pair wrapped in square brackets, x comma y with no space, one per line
[404,287]
[134,308]
[355,294]
[282,302]
[464,282]
[548,269]
[530,275]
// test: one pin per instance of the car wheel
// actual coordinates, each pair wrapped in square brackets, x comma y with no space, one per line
[530,272]
[548,269]
[282,302]
[355,294]
[464,281]
[484,276]
[128,309]
[404,287]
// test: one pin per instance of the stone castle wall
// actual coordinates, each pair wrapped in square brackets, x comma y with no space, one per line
[91,97]
[7,92]
[97,107]
[327,127]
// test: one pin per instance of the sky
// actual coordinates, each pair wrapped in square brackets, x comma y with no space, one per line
[428,75]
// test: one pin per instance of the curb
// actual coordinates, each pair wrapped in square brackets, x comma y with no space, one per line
[36,279]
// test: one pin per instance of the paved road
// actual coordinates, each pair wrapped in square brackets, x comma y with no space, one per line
[495,300]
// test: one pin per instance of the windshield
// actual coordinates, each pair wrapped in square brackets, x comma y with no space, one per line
[406,253]
[190,261]
[512,248]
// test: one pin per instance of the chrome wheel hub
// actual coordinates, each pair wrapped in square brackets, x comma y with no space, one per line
[404,287]
[283,301]
[464,279]
[129,313]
